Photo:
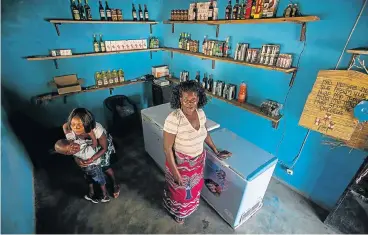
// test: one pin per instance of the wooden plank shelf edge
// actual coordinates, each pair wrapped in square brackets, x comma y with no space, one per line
[358,51]
[33,58]
[230,60]
[54,95]
[298,20]
[246,106]
[69,21]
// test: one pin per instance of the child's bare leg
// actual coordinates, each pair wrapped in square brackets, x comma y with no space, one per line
[91,191]
[105,197]
[111,175]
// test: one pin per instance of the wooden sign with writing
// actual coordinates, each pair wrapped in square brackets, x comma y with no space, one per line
[330,106]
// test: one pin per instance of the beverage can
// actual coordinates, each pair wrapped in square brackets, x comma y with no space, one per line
[214,87]
[242,92]
[225,92]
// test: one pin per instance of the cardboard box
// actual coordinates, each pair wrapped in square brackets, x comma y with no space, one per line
[160,71]
[118,46]
[67,84]
[113,45]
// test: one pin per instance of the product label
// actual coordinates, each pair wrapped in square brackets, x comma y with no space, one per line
[146,15]
[108,13]
[97,49]
[99,82]
[111,81]
[76,14]
[102,13]
[103,48]
[116,80]
[210,13]
[134,15]
[106,82]
[121,79]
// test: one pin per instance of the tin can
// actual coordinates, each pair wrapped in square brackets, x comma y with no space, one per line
[275,50]
[255,55]
[249,56]
[248,9]
[272,61]
[269,49]
[267,59]
[225,91]
[231,92]
[262,59]
[220,86]
[264,49]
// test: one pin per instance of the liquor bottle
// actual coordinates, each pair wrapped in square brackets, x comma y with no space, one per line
[184,41]
[241,10]
[109,77]
[96,47]
[198,77]
[134,12]
[248,9]
[140,13]
[210,83]
[228,11]
[295,10]
[236,10]
[188,42]
[76,15]
[115,76]
[102,12]
[121,76]
[204,81]
[195,12]
[180,46]
[108,11]
[102,44]
[254,9]
[227,47]
[204,45]
[287,12]
[210,11]
[104,78]
[99,81]
[81,10]
[146,15]
[87,10]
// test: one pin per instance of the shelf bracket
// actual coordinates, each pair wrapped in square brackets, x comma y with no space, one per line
[65,99]
[57,28]
[303,32]
[111,90]
[172,28]
[275,125]
[213,64]
[150,28]
[172,54]
[217,30]
[56,64]
[151,55]
[293,78]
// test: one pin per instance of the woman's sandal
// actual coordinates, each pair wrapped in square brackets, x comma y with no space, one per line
[179,220]
[116,191]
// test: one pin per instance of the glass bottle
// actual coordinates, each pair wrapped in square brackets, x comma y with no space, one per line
[108,11]
[81,10]
[134,12]
[121,76]
[140,12]
[102,44]
[228,11]
[76,15]
[210,11]
[87,10]
[102,12]
[96,47]
[104,78]
[109,77]
[236,10]
[146,15]
[99,81]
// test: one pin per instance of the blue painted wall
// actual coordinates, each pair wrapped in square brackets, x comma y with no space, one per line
[26,33]
[17,194]
[321,174]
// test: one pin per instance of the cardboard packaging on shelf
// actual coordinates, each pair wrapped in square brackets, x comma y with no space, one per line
[67,84]
[160,71]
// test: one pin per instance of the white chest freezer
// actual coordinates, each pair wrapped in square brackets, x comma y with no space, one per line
[235,187]
[153,120]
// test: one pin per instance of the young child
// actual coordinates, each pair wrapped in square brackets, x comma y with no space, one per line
[82,125]
[93,172]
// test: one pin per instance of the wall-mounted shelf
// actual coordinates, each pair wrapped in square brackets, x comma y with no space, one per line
[58,22]
[54,95]
[358,51]
[229,60]
[297,20]
[77,55]
[246,106]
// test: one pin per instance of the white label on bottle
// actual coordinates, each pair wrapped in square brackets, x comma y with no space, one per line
[108,13]
[99,82]
[97,49]
[106,82]
[141,15]
[122,79]
[102,13]
[116,79]
[76,14]
[103,48]
[134,14]
[111,81]
[146,15]
[210,13]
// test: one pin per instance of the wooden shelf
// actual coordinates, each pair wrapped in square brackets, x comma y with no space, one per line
[229,60]
[58,22]
[301,19]
[358,51]
[246,106]
[55,95]
[69,21]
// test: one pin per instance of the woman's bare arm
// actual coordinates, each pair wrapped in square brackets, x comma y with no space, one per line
[102,142]
[169,140]
[210,143]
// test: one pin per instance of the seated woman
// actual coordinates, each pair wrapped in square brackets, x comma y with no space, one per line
[81,123]
[184,136]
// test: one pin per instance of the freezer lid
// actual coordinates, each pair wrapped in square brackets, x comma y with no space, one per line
[248,160]
[159,113]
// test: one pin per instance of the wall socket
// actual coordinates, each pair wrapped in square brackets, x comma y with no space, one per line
[289,171]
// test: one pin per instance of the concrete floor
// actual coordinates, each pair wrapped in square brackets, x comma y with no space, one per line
[60,187]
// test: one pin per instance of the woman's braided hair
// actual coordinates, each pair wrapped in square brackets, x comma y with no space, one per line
[188,86]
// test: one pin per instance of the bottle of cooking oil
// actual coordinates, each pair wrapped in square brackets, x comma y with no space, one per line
[110,78]
[115,76]
[99,81]
[104,78]
[121,76]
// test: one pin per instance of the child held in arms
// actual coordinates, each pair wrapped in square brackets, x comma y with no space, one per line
[85,150]
[81,126]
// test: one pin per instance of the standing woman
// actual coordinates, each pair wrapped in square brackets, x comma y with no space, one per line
[184,136]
